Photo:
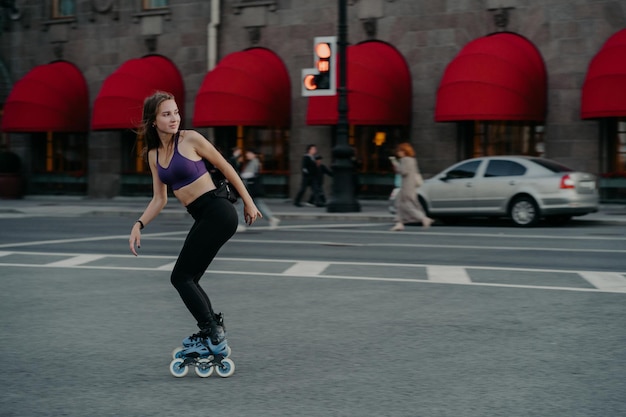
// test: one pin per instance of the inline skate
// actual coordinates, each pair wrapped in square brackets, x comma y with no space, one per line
[196,337]
[207,351]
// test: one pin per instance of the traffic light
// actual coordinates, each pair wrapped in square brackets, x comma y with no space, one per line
[321,80]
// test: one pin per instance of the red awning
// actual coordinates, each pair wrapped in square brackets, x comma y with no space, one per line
[246,88]
[379,89]
[119,104]
[497,77]
[604,89]
[50,98]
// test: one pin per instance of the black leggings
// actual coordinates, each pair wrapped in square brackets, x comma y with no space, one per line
[215,223]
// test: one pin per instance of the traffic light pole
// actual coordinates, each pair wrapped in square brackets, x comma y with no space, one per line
[343,198]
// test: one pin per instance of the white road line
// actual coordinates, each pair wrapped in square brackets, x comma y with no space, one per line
[448,274]
[167,267]
[506,248]
[609,281]
[420,232]
[82,239]
[76,260]
[291,261]
[342,277]
[306,268]
[426,245]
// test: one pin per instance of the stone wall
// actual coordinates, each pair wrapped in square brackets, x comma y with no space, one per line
[568,33]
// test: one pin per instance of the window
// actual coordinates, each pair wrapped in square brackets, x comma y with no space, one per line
[63,8]
[373,145]
[551,165]
[612,159]
[59,163]
[133,159]
[154,4]
[619,161]
[500,168]
[272,146]
[613,146]
[506,138]
[465,170]
[136,177]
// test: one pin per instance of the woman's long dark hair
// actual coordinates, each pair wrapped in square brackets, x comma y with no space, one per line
[147,129]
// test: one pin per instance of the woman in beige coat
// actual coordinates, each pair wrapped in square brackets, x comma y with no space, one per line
[408,209]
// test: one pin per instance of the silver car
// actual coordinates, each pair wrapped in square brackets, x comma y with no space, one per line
[524,189]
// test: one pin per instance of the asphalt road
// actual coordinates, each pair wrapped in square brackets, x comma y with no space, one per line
[325,318]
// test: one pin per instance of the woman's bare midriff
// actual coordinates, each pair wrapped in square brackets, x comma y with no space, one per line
[187,194]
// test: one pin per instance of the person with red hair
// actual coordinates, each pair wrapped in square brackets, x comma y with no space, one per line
[408,209]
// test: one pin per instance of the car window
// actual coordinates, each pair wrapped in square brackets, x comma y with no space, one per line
[551,165]
[466,170]
[500,168]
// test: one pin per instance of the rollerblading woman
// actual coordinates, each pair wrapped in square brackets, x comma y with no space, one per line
[177,159]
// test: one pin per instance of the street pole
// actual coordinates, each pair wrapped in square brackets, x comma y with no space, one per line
[343,199]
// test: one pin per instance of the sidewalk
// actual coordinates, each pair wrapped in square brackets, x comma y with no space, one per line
[371,210]
[67,206]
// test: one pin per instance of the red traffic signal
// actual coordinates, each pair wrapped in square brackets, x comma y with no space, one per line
[320,80]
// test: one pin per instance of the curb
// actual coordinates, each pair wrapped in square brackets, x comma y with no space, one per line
[371,210]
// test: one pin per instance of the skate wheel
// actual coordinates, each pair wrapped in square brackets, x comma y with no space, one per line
[226,368]
[177,353]
[228,352]
[177,368]
[204,368]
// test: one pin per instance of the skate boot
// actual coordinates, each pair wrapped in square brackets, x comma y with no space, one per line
[207,352]
[198,337]
[214,337]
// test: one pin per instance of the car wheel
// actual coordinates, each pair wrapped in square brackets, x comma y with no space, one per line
[524,211]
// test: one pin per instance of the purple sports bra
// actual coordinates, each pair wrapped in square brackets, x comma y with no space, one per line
[181,171]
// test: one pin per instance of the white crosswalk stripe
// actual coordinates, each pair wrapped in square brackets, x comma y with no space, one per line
[608,281]
[306,268]
[449,274]
[601,281]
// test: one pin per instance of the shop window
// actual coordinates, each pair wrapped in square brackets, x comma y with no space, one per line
[59,163]
[63,9]
[136,178]
[613,160]
[506,138]
[373,145]
[134,160]
[619,159]
[272,146]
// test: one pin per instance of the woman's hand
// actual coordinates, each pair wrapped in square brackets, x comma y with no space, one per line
[251,213]
[135,238]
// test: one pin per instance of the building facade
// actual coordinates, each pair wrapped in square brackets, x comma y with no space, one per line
[456,78]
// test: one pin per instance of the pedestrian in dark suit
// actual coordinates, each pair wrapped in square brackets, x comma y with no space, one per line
[309,175]
[322,170]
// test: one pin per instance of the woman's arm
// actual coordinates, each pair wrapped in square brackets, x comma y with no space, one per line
[159,200]
[395,164]
[407,166]
[205,149]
